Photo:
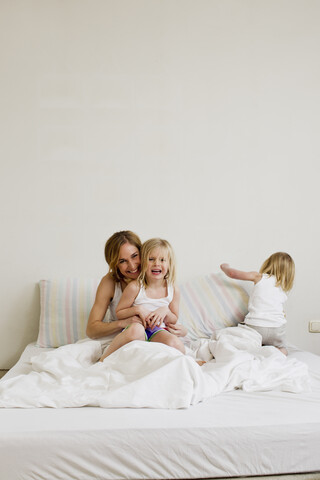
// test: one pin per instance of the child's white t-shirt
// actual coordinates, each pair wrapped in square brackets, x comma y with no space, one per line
[266,304]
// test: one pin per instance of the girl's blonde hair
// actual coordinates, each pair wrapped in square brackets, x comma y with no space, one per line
[112,249]
[280,265]
[147,248]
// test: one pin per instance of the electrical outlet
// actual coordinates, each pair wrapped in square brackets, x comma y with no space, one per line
[314,326]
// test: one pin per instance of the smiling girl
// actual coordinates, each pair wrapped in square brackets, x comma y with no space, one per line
[153,298]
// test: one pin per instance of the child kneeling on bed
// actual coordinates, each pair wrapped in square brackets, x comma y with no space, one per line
[266,302]
[153,297]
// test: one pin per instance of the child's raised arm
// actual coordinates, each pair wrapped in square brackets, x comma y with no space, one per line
[239,274]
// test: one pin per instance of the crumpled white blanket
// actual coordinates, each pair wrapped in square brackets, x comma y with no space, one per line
[153,375]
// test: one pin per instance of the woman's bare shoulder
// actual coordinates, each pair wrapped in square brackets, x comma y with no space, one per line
[106,286]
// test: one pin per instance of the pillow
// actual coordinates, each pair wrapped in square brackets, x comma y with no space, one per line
[208,303]
[211,302]
[65,306]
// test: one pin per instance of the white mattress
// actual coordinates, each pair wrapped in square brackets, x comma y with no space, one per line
[232,434]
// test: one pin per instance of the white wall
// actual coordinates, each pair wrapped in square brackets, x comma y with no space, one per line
[195,120]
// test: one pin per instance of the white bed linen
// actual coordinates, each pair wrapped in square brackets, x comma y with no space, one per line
[233,434]
[152,375]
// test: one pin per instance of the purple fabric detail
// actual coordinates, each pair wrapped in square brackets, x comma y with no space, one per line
[150,332]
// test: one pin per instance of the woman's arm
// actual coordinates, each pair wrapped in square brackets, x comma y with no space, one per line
[239,274]
[177,329]
[125,306]
[96,327]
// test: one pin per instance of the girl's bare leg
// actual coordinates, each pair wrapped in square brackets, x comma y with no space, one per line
[168,339]
[135,331]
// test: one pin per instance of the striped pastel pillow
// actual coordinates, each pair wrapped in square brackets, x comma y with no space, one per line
[211,302]
[64,310]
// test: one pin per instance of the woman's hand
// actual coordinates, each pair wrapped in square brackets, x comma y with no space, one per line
[177,329]
[156,317]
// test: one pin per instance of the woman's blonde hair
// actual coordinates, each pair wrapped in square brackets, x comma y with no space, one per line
[147,248]
[280,265]
[112,249]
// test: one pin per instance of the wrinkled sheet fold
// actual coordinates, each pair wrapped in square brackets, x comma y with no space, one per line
[153,375]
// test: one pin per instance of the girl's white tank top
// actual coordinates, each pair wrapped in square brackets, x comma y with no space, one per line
[153,303]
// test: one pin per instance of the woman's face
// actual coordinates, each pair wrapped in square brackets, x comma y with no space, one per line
[129,261]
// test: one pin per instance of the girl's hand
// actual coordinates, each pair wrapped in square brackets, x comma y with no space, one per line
[177,329]
[137,319]
[157,317]
[225,267]
[143,315]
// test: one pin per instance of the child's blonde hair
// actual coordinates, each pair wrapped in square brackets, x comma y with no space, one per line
[280,265]
[147,248]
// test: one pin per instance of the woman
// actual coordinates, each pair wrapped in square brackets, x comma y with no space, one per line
[122,253]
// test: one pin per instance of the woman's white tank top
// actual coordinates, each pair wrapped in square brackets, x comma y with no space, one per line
[114,302]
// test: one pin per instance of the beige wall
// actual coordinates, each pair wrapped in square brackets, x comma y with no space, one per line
[195,120]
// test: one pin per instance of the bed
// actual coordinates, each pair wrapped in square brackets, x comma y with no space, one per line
[269,426]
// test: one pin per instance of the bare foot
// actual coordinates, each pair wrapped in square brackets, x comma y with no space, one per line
[283,350]
[200,362]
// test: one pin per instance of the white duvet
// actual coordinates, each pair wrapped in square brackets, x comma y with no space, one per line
[153,375]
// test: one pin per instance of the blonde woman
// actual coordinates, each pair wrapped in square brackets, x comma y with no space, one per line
[266,303]
[153,298]
[122,253]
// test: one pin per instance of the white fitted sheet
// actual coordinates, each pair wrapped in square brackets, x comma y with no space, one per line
[232,434]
